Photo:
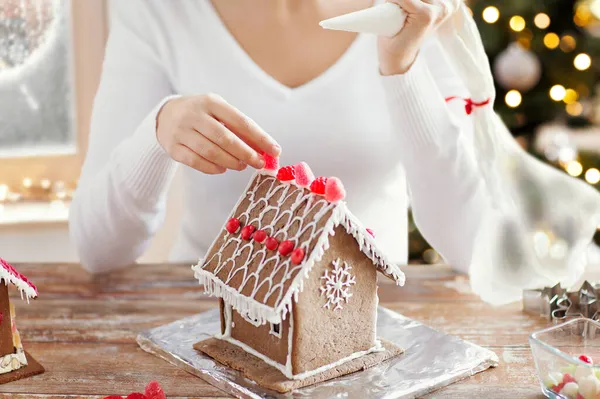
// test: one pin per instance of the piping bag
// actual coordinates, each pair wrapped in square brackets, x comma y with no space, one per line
[540,221]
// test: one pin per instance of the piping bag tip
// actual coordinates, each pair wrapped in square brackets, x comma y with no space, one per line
[385,19]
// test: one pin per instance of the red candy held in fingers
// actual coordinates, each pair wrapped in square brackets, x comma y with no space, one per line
[334,190]
[304,176]
[232,226]
[297,256]
[271,163]
[371,232]
[586,359]
[318,185]
[287,173]
[286,247]
[155,391]
[247,232]
[260,236]
[136,395]
[271,243]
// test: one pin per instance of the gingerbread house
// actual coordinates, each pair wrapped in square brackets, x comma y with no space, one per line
[295,272]
[15,363]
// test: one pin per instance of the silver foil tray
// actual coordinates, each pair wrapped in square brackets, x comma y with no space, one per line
[431,360]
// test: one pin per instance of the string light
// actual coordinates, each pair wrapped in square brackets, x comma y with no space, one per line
[27,182]
[583,15]
[570,96]
[558,92]
[3,192]
[517,23]
[513,98]
[575,109]
[45,184]
[567,43]
[29,190]
[491,14]
[582,61]
[542,20]
[551,40]
[592,176]
[574,168]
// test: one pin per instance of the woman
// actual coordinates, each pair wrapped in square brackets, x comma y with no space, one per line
[368,110]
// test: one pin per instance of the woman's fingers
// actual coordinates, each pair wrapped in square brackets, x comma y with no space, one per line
[242,126]
[220,135]
[212,152]
[184,155]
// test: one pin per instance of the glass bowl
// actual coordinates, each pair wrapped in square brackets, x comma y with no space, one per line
[557,351]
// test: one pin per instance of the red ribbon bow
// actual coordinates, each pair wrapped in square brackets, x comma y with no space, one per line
[469,103]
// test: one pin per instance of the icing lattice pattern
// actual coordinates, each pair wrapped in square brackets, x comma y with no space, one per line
[262,283]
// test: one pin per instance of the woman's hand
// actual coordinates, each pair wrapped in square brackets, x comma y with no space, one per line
[210,135]
[398,53]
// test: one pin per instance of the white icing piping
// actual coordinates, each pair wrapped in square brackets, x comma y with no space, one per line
[27,291]
[336,285]
[247,304]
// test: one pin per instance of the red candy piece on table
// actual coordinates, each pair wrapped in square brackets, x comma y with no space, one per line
[304,176]
[286,247]
[247,232]
[136,395]
[155,391]
[318,185]
[586,359]
[334,190]
[568,378]
[271,243]
[371,232]
[271,163]
[113,397]
[297,256]
[287,173]
[232,226]
[260,236]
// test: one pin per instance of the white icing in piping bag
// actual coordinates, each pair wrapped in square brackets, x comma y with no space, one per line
[386,19]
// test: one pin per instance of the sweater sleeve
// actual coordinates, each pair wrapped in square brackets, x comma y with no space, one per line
[121,197]
[448,196]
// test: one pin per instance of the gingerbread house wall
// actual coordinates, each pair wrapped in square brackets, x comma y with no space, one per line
[259,338]
[323,336]
[6,339]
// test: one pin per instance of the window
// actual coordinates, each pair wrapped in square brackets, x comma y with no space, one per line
[50,61]
[275,330]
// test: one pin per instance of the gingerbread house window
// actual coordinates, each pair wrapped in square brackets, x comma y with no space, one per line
[275,329]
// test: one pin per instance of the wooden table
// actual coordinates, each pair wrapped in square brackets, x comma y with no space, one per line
[83,329]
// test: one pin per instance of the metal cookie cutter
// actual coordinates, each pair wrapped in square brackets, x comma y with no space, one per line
[558,305]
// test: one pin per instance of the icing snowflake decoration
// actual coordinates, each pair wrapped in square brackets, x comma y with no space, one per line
[336,285]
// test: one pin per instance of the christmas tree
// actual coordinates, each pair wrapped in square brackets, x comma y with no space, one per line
[544,55]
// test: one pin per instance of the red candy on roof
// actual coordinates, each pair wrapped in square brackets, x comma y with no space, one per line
[304,176]
[286,173]
[10,274]
[318,186]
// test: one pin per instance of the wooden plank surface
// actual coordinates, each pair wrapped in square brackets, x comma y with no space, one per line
[83,329]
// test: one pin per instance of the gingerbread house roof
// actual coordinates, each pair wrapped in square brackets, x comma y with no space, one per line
[259,277]
[9,274]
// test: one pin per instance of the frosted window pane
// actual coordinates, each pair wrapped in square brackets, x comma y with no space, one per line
[36,98]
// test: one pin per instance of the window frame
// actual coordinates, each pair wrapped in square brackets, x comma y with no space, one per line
[89,30]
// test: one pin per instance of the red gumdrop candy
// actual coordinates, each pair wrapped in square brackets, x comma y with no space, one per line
[371,232]
[247,232]
[136,395]
[113,397]
[287,173]
[559,387]
[286,247]
[271,163]
[155,391]
[586,359]
[318,185]
[297,256]
[304,176]
[568,378]
[232,226]
[271,243]
[334,190]
[260,236]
